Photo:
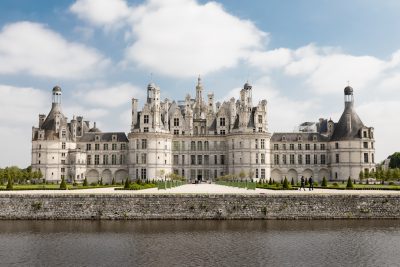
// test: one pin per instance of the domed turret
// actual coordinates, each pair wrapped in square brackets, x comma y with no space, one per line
[247,86]
[57,92]
[348,90]
[94,129]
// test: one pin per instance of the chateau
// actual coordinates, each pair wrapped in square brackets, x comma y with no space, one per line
[201,140]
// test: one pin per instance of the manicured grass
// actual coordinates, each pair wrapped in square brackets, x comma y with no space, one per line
[136,186]
[52,187]
[248,185]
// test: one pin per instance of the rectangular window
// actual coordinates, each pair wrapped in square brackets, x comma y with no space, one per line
[292,159]
[284,159]
[291,146]
[114,159]
[176,160]
[146,119]
[63,161]
[284,146]
[89,159]
[145,129]
[176,121]
[300,159]
[192,159]
[337,145]
[365,157]
[62,169]
[62,154]
[308,159]
[365,144]
[262,173]
[96,146]
[307,146]
[183,160]
[193,146]
[176,132]
[276,159]
[96,159]
[259,129]
[373,158]
[299,146]
[123,146]
[121,159]
[221,121]
[144,143]
[263,158]
[222,132]
[222,159]
[114,146]
[144,158]
[323,159]
[215,159]
[256,173]
[322,146]
[257,158]
[199,145]
[365,134]
[262,143]
[260,119]
[276,147]
[206,145]
[143,174]
[63,145]
[105,146]
[315,146]
[337,157]
[199,159]
[175,145]
[105,159]
[315,159]
[256,144]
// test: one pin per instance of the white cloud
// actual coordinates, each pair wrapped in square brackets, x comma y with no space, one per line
[20,107]
[32,48]
[110,96]
[101,12]
[266,60]
[183,38]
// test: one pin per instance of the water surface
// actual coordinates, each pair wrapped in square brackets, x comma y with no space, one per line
[200,243]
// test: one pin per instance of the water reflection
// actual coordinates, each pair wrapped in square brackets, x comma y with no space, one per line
[200,243]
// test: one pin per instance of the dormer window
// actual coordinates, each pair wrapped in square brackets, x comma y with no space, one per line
[146,119]
[260,119]
[283,138]
[221,121]
[314,138]
[97,138]
[176,121]
[114,137]
[299,138]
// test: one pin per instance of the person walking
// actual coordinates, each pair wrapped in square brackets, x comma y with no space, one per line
[311,182]
[302,183]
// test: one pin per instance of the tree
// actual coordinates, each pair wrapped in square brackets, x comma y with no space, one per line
[361,175]
[292,182]
[285,183]
[63,184]
[270,181]
[113,181]
[10,183]
[324,182]
[349,184]
[394,160]
[85,182]
[101,181]
[127,183]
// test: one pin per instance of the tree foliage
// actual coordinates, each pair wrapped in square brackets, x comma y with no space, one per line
[394,160]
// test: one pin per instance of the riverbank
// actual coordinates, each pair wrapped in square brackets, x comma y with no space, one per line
[199,202]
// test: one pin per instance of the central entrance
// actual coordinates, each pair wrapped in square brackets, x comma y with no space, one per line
[199,177]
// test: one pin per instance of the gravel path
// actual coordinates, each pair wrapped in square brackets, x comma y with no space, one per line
[204,189]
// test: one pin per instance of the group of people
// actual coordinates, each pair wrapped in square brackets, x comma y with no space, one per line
[303,183]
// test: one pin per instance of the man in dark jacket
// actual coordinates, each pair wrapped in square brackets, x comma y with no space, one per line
[311,182]
[302,183]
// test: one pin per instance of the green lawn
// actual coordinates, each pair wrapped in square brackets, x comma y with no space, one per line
[53,187]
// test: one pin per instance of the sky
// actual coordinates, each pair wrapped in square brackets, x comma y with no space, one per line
[298,55]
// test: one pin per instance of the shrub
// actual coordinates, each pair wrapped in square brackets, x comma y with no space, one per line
[127,183]
[101,181]
[292,182]
[270,181]
[94,184]
[75,184]
[367,182]
[113,181]
[285,184]
[10,184]
[63,184]
[324,182]
[349,184]
[391,183]
[85,182]
[335,185]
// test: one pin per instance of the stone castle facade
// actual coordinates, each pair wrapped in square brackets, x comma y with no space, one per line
[201,140]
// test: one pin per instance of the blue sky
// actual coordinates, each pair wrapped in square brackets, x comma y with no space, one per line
[298,55]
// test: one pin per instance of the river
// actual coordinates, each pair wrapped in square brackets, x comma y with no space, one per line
[200,243]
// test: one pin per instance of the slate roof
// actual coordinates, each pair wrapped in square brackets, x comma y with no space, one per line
[104,137]
[293,137]
[341,131]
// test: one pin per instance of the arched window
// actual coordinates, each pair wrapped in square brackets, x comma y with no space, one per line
[193,146]
[199,145]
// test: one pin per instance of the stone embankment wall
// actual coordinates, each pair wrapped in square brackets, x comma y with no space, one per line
[199,206]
